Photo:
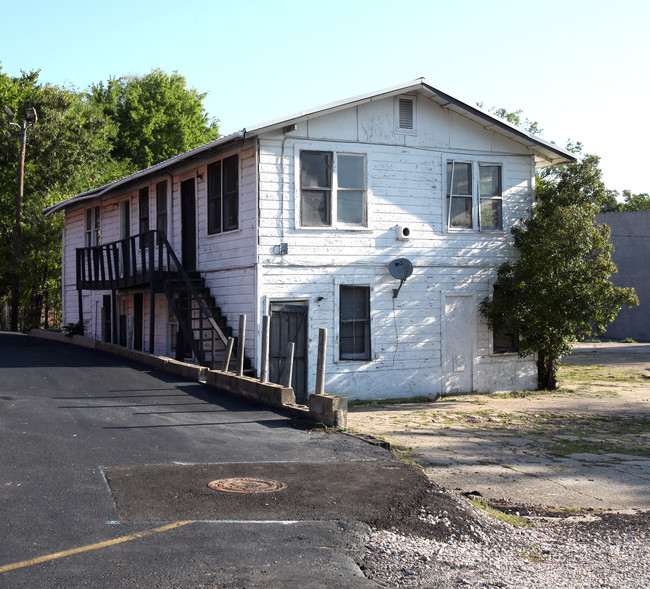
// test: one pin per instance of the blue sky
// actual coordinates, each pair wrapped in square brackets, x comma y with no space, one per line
[579,68]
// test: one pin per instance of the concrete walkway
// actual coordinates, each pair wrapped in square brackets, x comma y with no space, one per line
[567,450]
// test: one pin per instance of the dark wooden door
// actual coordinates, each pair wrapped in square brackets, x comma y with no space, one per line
[289,324]
[188,224]
[138,317]
[107,322]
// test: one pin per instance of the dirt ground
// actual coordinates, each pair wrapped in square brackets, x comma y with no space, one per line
[585,446]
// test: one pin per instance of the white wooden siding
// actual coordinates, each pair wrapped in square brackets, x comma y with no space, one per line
[406,186]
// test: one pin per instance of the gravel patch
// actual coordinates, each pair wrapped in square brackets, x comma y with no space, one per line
[606,550]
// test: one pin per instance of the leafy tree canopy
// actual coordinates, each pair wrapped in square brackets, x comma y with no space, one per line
[67,152]
[156,116]
[559,289]
[630,202]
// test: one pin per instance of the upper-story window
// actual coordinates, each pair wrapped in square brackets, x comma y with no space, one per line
[474,196]
[223,195]
[92,224]
[332,189]
[161,206]
[143,215]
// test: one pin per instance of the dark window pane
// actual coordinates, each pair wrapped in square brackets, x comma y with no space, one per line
[315,169]
[350,207]
[354,326]
[214,198]
[161,206]
[461,212]
[490,213]
[231,193]
[144,210]
[461,183]
[351,172]
[490,180]
[505,342]
[316,208]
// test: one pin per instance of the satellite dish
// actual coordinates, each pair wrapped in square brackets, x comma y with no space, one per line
[400,269]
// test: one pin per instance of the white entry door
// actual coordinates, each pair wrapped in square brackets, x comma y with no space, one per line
[458,326]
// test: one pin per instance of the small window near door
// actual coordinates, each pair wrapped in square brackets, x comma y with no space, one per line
[504,342]
[354,323]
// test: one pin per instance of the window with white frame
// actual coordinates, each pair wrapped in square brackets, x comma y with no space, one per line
[223,195]
[92,227]
[332,189]
[354,322]
[474,196]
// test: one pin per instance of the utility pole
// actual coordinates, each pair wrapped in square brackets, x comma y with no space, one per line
[30,119]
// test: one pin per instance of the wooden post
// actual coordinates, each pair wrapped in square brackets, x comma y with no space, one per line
[226,360]
[115,337]
[287,372]
[264,365]
[322,357]
[152,317]
[241,345]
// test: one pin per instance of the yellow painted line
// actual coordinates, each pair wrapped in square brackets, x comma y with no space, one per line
[121,540]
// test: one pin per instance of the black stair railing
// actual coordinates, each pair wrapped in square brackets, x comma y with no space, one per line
[149,259]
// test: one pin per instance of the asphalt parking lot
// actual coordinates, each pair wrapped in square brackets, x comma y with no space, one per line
[104,476]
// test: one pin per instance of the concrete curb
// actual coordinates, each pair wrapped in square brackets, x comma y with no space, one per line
[329,410]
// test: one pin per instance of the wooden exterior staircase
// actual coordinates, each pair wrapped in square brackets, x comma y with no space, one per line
[148,260]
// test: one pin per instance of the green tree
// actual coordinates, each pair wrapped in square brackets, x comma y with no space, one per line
[559,289]
[635,202]
[67,152]
[156,115]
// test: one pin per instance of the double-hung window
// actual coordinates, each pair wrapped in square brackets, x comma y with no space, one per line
[490,197]
[474,196]
[223,195]
[92,227]
[332,189]
[354,322]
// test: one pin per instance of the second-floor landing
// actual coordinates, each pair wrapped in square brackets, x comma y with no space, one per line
[141,260]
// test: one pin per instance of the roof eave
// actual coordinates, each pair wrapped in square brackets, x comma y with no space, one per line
[160,167]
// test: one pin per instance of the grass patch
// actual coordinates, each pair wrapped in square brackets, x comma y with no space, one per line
[512,519]
[600,374]
[405,455]
[533,554]
[388,402]
[563,448]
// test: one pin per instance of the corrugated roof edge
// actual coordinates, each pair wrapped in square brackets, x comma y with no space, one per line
[419,83]
[97,192]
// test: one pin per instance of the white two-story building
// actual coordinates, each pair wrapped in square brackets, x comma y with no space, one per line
[382,218]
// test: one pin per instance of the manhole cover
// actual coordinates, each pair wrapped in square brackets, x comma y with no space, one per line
[245,485]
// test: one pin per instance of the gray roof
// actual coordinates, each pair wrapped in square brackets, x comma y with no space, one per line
[546,153]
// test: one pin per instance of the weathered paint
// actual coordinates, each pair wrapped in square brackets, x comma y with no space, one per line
[406,174]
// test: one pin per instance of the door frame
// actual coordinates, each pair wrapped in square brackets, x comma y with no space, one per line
[304,304]
[447,362]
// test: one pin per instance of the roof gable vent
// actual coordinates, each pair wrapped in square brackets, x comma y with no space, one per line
[405,114]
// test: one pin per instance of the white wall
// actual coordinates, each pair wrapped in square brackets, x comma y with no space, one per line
[406,183]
